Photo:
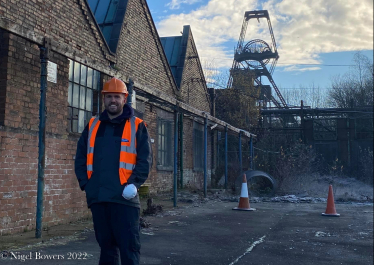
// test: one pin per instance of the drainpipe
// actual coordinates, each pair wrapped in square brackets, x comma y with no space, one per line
[205,154]
[251,152]
[42,121]
[213,160]
[175,155]
[349,144]
[302,121]
[253,156]
[226,176]
[181,149]
[130,89]
[240,152]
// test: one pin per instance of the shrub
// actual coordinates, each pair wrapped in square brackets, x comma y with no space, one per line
[366,166]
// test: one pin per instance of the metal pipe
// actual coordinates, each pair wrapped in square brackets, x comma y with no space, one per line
[226,176]
[240,152]
[181,150]
[349,143]
[253,155]
[205,155]
[306,111]
[175,156]
[251,152]
[41,156]
[130,90]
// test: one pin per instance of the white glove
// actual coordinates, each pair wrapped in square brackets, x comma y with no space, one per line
[129,192]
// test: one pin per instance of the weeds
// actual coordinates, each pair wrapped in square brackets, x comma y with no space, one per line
[295,164]
[366,166]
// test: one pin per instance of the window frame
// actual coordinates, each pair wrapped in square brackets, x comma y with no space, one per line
[167,151]
[198,146]
[75,109]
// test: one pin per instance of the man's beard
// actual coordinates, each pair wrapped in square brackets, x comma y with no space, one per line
[119,109]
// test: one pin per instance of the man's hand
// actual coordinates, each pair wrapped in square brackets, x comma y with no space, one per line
[129,192]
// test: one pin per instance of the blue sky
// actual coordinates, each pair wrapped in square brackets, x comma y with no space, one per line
[310,34]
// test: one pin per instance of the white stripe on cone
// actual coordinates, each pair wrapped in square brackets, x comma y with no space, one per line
[244,192]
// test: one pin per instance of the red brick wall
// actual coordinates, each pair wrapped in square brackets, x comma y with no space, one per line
[19,144]
[68,22]
[63,200]
[4,46]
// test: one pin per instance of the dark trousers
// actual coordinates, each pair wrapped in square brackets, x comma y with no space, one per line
[117,228]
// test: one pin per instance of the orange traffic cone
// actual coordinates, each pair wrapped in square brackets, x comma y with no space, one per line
[244,200]
[330,209]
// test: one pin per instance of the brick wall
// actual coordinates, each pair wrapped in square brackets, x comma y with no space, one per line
[68,22]
[19,144]
[193,87]
[191,177]
[140,53]
[18,171]
[4,42]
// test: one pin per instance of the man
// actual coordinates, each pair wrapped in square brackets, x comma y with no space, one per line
[113,159]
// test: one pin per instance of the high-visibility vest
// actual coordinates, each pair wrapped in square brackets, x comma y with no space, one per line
[127,158]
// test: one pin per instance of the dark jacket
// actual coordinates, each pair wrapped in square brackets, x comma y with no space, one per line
[104,184]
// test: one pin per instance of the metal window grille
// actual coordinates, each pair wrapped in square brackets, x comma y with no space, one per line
[198,146]
[325,129]
[83,96]
[164,153]
[364,128]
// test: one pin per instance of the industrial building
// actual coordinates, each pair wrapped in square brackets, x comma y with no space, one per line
[84,43]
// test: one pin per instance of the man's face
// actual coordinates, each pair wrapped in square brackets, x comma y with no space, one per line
[114,103]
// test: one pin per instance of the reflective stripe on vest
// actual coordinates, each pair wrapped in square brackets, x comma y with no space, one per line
[93,127]
[128,147]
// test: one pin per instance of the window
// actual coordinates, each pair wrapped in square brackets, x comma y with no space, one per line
[165,146]
[83,91]
[198,142]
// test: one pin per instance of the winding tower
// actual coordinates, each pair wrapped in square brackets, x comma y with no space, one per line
[251,60]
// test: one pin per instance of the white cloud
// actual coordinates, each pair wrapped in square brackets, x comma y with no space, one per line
[212,25]
[175,4]
[295,68]
[303,29]
[311,27]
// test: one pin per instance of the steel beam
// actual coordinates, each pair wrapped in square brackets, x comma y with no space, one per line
[205,155]
[175,156]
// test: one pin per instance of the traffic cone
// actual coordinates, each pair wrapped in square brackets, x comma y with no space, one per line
[244,200]
[330,209]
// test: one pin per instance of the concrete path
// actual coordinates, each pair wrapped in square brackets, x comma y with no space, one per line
[276,233]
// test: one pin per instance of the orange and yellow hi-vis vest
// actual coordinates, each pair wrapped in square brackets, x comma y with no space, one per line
[127,159]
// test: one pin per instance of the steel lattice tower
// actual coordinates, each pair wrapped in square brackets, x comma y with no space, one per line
[251,60]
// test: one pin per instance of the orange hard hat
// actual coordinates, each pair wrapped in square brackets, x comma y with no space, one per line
[115,85]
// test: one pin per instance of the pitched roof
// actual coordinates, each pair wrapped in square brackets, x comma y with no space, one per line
[172,48]
[175,48]
[109,15]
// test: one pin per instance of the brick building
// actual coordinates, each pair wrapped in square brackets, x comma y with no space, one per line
[87,46]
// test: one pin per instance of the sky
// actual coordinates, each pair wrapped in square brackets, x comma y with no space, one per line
[316,39]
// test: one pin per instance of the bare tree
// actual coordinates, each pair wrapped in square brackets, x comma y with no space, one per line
[214,76]
[312,96]
[354,88]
